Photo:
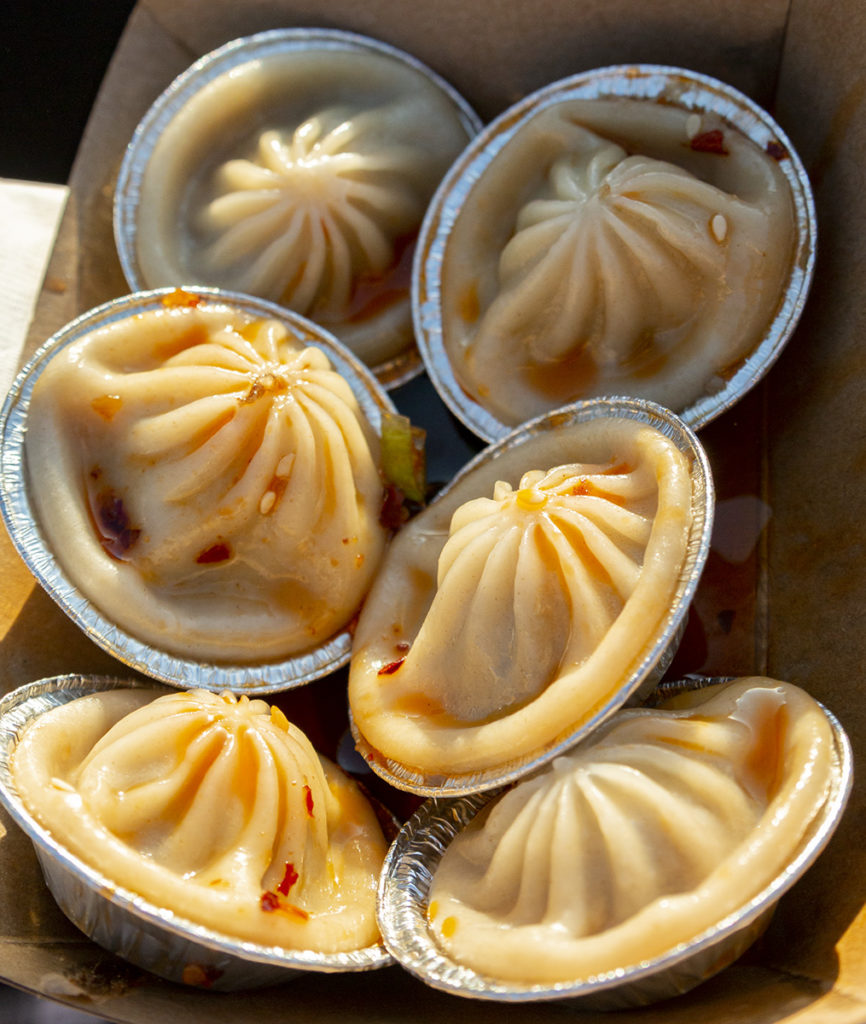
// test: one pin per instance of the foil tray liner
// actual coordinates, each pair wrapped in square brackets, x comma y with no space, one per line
[19,515]
[122,921]
[659,83]
[260,46]
[415,854]
[655,659]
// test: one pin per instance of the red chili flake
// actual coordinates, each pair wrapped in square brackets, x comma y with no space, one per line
[269,902]
[294,911]
[308,800]
[289,879]
[776,150]
[179,297]
[390,668]
[710,142]
[402,646]
[219,552]
[113,520]
[393,513]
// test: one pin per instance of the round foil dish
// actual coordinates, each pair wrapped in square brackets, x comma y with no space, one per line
[416,855]
[114,623]
[123,921]
[502,630]
[295,164]
[537,276]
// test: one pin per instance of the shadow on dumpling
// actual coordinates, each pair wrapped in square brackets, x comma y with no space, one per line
[205,472]
[531,598]
[631,868]
[629,231]
[295,165]
[192,831]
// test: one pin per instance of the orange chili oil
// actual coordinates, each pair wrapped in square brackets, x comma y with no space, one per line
[181,298]
[374,293]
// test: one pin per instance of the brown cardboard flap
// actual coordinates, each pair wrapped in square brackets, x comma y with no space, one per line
[784,591]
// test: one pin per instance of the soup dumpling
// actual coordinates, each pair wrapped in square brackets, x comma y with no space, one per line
[606,250]
[211,806]
[208,481]
[648,834]
[509,613]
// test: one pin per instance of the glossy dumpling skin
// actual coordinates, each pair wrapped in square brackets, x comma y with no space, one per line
[510,612]
[212,806]
[642,838]
[208,482]
[600,253]
[303,178]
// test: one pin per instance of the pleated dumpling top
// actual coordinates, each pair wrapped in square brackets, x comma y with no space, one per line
[492,632]
[211,806]
[644,837]
[208,481]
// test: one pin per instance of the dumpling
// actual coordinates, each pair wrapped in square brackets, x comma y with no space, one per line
[211,806]
[507,615]
[616,247]
[208,480]
[301,175]
[645,836]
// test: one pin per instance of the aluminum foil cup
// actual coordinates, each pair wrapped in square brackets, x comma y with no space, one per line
[122,921]
[654,83]
[414,856]
[18,511]
[225,61]
[657,655]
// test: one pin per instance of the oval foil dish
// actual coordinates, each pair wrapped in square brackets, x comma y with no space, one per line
[632,230]
[725,912]
[123,921]
[295,164]
[192,470]
[544,587]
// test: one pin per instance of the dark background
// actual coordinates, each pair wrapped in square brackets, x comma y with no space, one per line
[53,56]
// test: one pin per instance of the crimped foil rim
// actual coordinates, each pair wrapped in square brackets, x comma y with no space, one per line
[23,527]
[692,91]
[393,372]
[655,659]
[415,854]
[26,702]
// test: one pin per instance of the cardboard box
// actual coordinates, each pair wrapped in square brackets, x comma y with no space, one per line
[785,586]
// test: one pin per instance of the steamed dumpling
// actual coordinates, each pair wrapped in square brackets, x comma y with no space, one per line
[601,252]
[302,177]
[649,833]
[211,806]
[500,622]
[208,481]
